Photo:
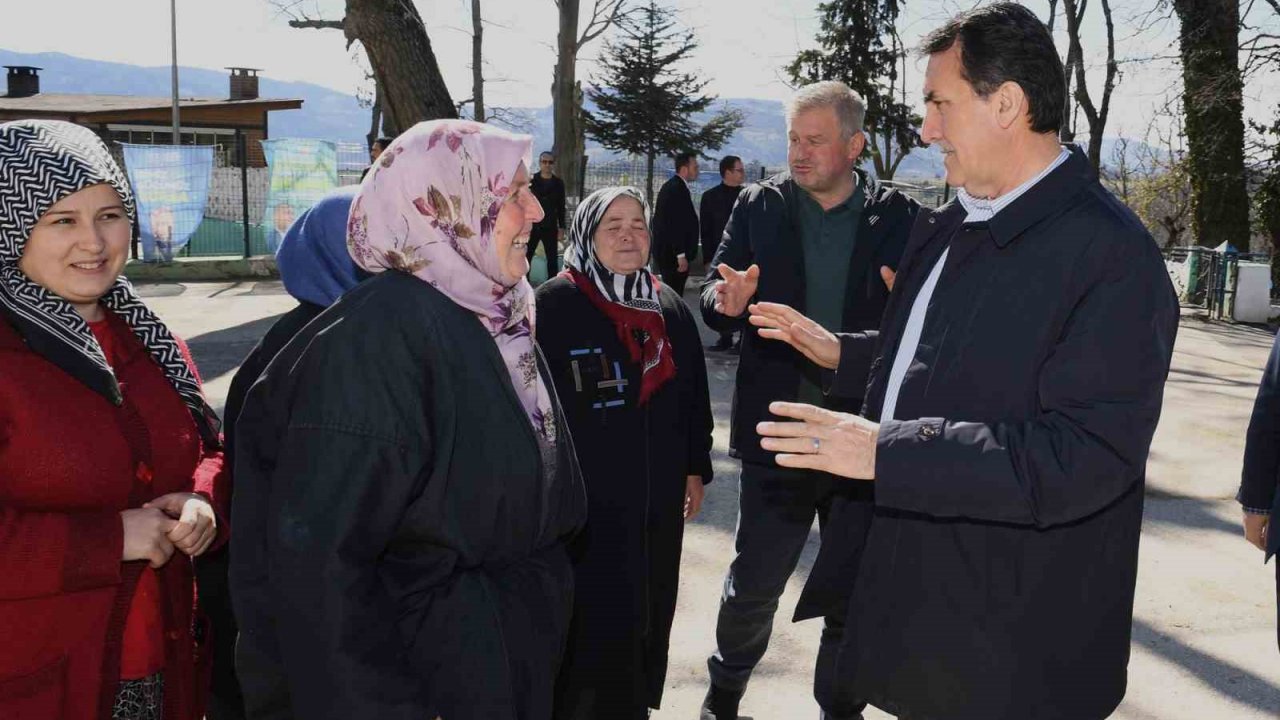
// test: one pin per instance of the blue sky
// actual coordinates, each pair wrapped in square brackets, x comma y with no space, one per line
[744,43]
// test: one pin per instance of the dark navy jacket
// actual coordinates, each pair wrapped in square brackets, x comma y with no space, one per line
[763,229]
[997,578]
[1262,451]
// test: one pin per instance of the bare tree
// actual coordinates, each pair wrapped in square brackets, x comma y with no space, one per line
[566,93]
[1095,115]
[477,69]
[1213,106]
[408,85]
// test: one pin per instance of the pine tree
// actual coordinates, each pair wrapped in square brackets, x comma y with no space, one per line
[645,107]
[860,47]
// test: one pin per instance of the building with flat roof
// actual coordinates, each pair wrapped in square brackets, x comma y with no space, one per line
[225,123]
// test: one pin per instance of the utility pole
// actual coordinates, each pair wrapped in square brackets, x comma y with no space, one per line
[173,19]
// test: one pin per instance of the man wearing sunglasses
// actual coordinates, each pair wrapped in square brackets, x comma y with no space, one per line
[549,189]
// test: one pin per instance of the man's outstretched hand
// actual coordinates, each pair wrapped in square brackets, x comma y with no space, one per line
[782,322]
[735,289]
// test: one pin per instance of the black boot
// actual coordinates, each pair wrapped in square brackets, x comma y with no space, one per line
[721,704]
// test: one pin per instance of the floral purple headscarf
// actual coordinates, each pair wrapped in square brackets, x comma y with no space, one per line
[428,208]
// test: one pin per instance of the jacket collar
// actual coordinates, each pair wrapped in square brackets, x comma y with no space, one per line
[873,192]
[1045,198]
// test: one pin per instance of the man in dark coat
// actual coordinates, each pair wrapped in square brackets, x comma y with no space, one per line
[675,224]
[816,238]
[713,216]
[1258,494]
[1016,384]
[549,189]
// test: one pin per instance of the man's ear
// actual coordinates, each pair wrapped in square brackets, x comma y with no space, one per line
[857,144]
[1009,103]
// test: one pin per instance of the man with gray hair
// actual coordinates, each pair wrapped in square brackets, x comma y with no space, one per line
[824,237]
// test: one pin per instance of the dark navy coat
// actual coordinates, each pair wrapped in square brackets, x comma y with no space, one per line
[997,578]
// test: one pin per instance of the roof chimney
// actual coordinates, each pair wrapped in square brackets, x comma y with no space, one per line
[244,83]
[24,81]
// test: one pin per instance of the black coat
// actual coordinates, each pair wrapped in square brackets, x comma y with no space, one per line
[675,225]
[997,578]
[225,699]
[551,195]
[1262,451]
[713,216]
[400,551]
[635,462]
[763,230]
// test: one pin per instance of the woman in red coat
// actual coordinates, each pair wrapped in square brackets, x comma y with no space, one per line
[108,451]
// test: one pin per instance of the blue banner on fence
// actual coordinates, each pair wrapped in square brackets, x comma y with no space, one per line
[302,172]
[171,183]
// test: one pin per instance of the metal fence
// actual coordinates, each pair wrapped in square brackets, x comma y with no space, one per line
[234,213]
[1207,278]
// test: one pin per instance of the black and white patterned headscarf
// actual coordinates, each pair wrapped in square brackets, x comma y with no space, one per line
[637,290]
[42,162]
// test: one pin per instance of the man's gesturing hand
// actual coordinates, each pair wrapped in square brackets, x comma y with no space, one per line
[834,442]
[735,289]
[1255,529]
[782,322]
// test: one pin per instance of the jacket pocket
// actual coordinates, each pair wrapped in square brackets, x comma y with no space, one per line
[35,696]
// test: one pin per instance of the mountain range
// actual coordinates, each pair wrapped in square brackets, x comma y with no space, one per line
[333,115]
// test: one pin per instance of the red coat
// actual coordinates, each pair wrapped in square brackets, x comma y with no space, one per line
[66,473]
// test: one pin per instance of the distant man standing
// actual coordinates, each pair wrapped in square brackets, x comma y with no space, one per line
[713,215]
[817,237]
[675,224]
[549,189]
[375,150]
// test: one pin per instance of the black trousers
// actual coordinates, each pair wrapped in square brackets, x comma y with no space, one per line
[776,507]
[225,699]
[673,277]
[551,247]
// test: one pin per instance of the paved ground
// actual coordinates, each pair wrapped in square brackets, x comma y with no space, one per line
[1204,628]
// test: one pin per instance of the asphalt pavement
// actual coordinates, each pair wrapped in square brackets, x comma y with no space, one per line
[1204,636]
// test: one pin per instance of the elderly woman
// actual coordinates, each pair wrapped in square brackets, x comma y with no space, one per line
[402,473]
[106,435]
[316,270]
[627,361]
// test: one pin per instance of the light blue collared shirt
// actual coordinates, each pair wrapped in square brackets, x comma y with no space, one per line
[978,210]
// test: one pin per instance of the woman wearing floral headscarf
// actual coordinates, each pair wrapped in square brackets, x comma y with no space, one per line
[105,436]
[627,360]
[404,484]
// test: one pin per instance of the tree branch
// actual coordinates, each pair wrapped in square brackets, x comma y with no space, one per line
[318,24]
[604,13]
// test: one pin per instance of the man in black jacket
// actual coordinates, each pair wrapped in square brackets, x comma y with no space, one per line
[817,238]
[1016,383]
[549,189]
[713,216]
[675,224]
[1258,495]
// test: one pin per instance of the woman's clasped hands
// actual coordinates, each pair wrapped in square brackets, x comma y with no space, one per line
[177,521]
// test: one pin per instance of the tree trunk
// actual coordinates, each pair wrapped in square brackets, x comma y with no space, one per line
[1213,105]
[403,62]
[648,181]
[564,109]
[375,113]
[477,70]
[1095,115]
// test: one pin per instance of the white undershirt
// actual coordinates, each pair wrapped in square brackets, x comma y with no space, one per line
[978,210]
